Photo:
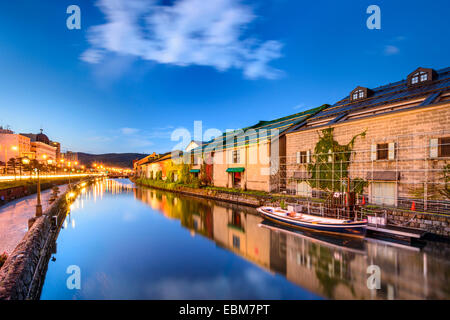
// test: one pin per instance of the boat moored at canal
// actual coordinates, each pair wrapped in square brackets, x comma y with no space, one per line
[298,220]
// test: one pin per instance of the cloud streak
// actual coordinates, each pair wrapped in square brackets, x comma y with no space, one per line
[188,32]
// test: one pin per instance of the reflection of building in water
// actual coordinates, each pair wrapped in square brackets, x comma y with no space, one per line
[238,230]
[327,266]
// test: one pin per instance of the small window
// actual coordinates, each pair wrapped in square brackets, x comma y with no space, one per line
[236,156]
[236,242]
[301,157]
[358,94]
[423,76]
[444,147]
[382,151]
[419,77]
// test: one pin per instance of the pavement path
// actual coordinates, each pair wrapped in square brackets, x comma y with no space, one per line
[14,218]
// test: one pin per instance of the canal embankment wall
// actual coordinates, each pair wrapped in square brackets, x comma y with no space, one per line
[434,224]
[22,275]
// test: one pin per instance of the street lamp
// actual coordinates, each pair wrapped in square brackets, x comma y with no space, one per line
[50,162]
[36,164]
[68,164]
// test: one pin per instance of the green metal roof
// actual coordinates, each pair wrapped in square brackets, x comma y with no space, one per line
[194,170]
[263,130]
[235,169]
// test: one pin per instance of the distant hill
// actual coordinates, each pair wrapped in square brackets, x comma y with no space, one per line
[121,160]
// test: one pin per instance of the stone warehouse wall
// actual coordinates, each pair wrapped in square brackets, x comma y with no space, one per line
[410,130]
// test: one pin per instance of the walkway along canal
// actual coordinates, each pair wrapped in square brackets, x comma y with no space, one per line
[132,242]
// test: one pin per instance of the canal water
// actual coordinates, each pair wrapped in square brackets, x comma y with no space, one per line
[133,242]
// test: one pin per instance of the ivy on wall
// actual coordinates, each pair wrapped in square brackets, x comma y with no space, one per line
[330,162]
[446,175]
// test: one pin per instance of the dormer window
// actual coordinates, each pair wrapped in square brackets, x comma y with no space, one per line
[359,93]
[420,75]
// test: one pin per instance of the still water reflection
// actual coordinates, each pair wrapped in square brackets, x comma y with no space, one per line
[137,243]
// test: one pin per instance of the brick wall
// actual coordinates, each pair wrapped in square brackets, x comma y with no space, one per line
[410,130]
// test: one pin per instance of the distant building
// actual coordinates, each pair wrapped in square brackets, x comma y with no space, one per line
[70,156]
[193,144]
[41,147]
[13,145]
[57,145]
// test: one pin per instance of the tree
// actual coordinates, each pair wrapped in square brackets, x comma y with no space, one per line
[204,179]
[185,175]
[12,162]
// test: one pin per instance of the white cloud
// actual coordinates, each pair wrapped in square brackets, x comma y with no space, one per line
[188,32]
[391,50]
[128,131]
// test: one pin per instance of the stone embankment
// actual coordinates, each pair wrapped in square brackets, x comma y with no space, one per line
[21,277]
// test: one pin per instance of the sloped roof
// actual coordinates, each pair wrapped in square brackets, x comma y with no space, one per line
[161,157]
[397,92]
[261,131]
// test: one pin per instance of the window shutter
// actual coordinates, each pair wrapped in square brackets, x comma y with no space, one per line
[308,156]
[391,151]
[434,148]
[298,157]
[373,152]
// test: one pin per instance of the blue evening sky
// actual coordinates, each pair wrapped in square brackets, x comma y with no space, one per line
[137,70]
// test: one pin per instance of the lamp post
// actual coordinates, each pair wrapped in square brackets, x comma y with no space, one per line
[68,164]
[36,164]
